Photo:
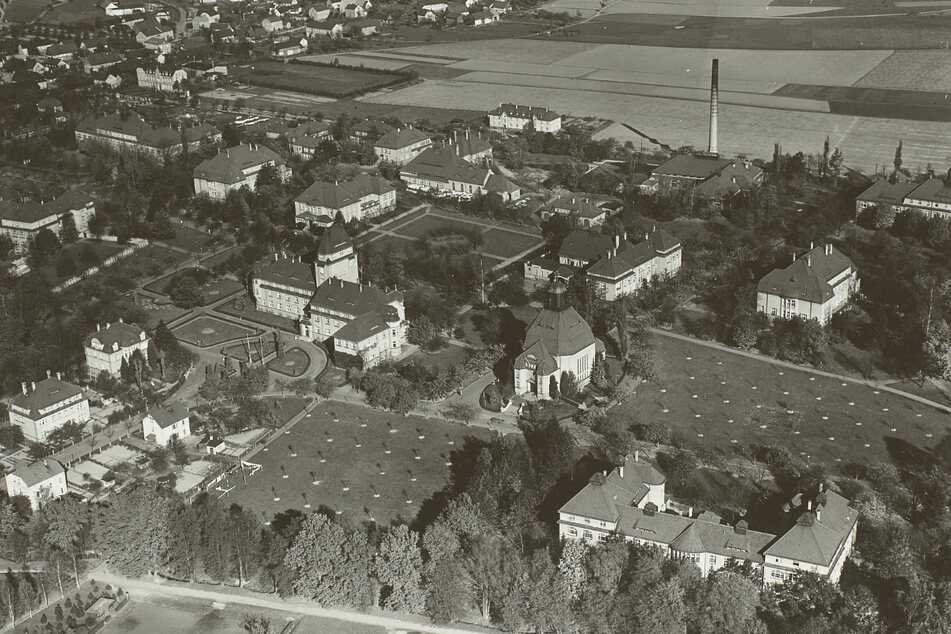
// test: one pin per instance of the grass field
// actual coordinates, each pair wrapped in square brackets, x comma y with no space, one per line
[718,400]
[385,497]
[190,239]
[204,331]
[75,12]
[194,616]
[314,79]
[294,364]
[739,9]
[24,10]
[212,291]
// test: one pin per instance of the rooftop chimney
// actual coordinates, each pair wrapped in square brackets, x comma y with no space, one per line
[59,376]
[793,257]
[49,374]
[617,241]
[818,514]
[637,455]
[808,260]
[23,387]
[808,505]
[812,245]
[620,471]
[98,327]
[741,527]
[714,98]
[33,385]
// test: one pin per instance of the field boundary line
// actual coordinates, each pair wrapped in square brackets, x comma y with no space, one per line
[881,385]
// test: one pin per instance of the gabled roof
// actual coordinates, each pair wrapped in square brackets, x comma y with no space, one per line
[126,335]
[605,495]
[884,192]
[134,125]
[520,112]
[39,471]
[340,195]
[734,177]
[692,166]
[362,327]
[932,190]
[442,165]
[587,246]
[168,415]
[398,139]
[808,277]
[47,393]
[287,272]
[351,298]
[227,167]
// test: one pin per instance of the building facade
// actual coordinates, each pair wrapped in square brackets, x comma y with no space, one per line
[132,133]
[402,145]
[509,116]
[816,286]
[161,78]
[108,347]
[21,221]
[234,168]
[631,502]
[363,196]
[442,171]
[38,482]
[931,198]
[283,286]
[166,423]
[42,408]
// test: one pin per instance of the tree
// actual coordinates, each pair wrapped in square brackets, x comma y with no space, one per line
[259,624]
[325,386]
[898,159]
[938,350]
[569,384]
[448,593]
[730,604]
[421,331]
[553,392]
[331,563]
[398,566]
[65,521]
[44,244]
[68,233]
[572,567]
[132,533]
[599,372]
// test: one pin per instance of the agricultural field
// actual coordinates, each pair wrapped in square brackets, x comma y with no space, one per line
[352,459]
[501,241]
[910,70]
[24,10]
[327,81]
[204,331]
[740,9]
[716,400]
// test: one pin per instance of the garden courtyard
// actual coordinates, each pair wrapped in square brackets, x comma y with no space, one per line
[204,331]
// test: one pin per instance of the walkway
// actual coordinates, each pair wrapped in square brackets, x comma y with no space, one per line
[169,589]
[879,385]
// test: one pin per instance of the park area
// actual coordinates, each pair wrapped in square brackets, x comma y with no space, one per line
[317,79]
[373,464]
[714,400]
[501,240]
[204,331]
[294,364]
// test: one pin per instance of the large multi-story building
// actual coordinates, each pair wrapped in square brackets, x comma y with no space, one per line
[164,78]
[616,266]
[558,341]
[363,325]
[711,175]
[630,502]
[816,286]
[931,198]
[42,408]
[402,145]
[444,172]
[134,134]
[166,423]
[39,482]
[234,168]
[21,221]
[509,116]
[108,347]
[363,196]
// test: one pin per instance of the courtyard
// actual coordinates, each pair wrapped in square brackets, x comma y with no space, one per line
[205,331]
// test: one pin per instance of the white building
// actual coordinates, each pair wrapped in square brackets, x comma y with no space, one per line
[630,501]
[108,347]
[815,286]
[165,423]
[283,286]
[40,481]
[161,78]
[401,146]
[509,116]
[235,168]
[135,134]
[21,221]
[558,341]
[930,198]
[363,196]
[442,171]
[42,408]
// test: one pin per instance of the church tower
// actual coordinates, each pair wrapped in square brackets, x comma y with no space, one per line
[336,257]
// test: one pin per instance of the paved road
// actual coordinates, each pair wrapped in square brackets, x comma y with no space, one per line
[161,588]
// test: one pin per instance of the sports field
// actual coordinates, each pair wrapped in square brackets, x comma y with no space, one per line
[719,400]
[502,241]
[205,331]
[352,459]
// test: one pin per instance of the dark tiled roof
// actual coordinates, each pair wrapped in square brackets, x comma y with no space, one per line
[604,496]
[126,335]
[287,272]
[48,393]
[882,191]
[816,540]
[168,415]
[398,139]
[351,298]
[692,166]
[39,471]
[587,246]
[362,327]
[522,112]
[563,331]
[339,195]
[808,277]
[932,190]
[227,166]
[335,239]
[135,126]
[443,165]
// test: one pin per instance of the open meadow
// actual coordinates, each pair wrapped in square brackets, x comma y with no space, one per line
[717,400]
[367,462]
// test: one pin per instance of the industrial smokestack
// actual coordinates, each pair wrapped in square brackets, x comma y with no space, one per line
[714,98]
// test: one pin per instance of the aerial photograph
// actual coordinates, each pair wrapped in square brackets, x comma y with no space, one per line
[475,316]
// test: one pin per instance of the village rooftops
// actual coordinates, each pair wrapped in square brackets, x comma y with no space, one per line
[44,395]
[809,276]
[229,166]
[399,139]
[39,471]
[168,415]
[120,333]
[339,195]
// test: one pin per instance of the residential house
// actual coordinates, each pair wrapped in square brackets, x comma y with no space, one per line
[931,198]
[500,7]
[816,286]
[96,62]
[154,31]
[305,138]
[353,9]
[65,51]
[122,8]
[710,175]
[481,18]
[164,424]
[402,145]
[42,408]
[38,482]
[108,347]
[884,193]
[365,27]
[234,168]
[273,24]
[318,13]
[21,221]
[222,33]
[161,77]
[509,116]
[443,172]
[289,48]
[362,197]
[471,148]
[557,342]
[581,211]
[331,28]
[631,502]
[369,131]
[205,19]
[133,133]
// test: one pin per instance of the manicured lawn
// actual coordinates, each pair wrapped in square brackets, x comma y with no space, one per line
[420,228]
[151,260]
[219,258]
[250,313]
[314,79]
[504,243]
[294,363]
[212,290]
[189,239]
[718,400]
[385,497]
[205,331]
[441,360]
